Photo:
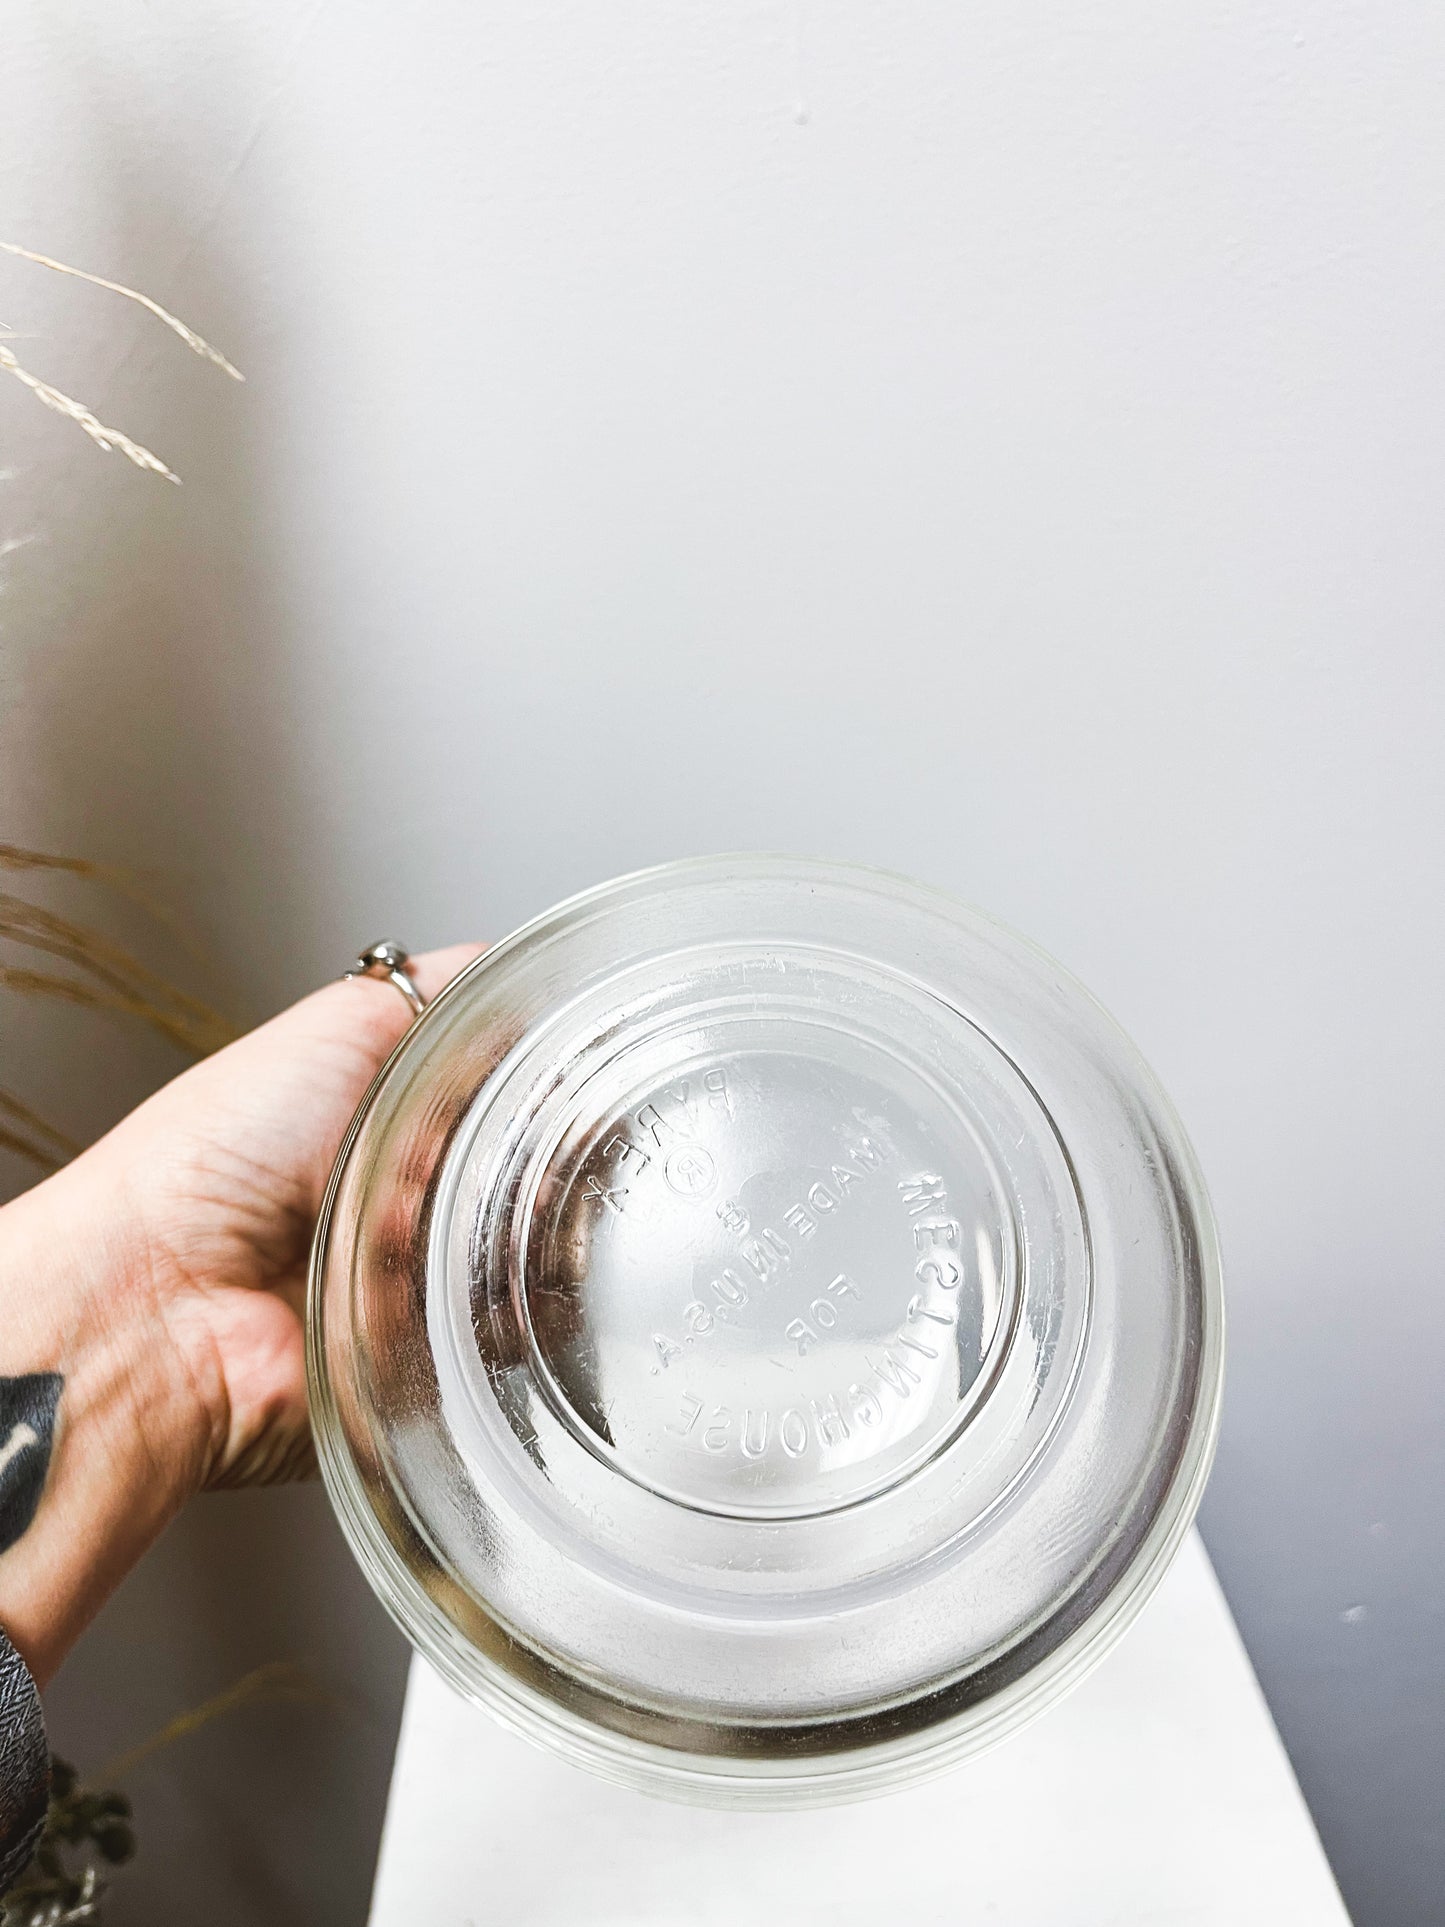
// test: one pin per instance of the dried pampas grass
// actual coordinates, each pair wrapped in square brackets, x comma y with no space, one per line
[25,1133]
[77,412]
[187,335]
[97,974]
[109,978]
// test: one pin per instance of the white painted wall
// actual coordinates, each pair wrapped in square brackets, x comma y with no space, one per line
[1002,442]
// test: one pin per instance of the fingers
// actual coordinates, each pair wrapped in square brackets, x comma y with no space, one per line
[434,969]
[268,1112]
[346,1030]
[431,972]
[377,1013]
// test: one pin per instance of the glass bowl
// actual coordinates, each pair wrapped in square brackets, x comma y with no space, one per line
[765,1331]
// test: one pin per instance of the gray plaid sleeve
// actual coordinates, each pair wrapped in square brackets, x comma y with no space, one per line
[24,1765]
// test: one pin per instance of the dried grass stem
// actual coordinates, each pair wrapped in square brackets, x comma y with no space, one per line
[188,335]
[75,411]
[62,404]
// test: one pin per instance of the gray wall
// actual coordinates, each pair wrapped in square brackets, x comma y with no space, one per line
[1004,443]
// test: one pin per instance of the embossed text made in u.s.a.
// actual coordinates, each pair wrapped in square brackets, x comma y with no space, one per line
[903,1364]
[764,1252]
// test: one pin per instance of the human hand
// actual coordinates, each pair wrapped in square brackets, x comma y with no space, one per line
[162,1275]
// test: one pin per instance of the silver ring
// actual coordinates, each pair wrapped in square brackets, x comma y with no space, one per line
[387,962]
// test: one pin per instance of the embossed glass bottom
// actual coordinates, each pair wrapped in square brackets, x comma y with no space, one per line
[769,1282]
[765,1331]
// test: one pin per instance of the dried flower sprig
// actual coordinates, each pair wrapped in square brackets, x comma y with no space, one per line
[63,1886]
[54,1891]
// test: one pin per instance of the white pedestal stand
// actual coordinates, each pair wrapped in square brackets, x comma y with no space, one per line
[1157,1794]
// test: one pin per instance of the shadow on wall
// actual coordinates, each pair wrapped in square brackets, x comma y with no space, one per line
[145,676]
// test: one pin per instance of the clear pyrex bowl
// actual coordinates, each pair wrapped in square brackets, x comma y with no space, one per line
[765,1331]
